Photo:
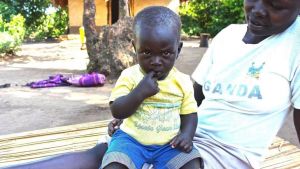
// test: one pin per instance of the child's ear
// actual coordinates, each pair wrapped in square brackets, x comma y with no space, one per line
[179,47]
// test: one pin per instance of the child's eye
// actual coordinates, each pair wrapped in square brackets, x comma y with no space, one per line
[276,6]
[166,53]
[146,53]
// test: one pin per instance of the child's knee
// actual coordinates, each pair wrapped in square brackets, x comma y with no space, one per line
[115,166]
[193,164]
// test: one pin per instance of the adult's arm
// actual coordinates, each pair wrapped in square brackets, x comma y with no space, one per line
[297,122]
[89,159]
[198,93]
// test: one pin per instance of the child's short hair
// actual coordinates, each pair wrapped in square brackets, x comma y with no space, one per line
[158,16]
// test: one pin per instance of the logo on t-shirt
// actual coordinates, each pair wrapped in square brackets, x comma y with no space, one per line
[231,89]
[255,71]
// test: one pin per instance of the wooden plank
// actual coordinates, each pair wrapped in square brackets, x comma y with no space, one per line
[282,155]
[52,138]
[64,129]
[34,145]
[291,159]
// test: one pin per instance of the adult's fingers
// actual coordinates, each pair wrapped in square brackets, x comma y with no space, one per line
[113,126]
[110,129]
[119,122]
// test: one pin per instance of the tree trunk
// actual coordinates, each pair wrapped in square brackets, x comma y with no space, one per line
[92,40]
[123,9]
[110,51]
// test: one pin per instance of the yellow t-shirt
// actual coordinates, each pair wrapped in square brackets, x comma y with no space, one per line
[157,119]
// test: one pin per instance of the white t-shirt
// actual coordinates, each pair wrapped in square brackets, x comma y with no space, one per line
[249,90]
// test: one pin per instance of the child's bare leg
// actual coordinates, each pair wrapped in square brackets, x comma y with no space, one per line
[115,166]
[193,164]
[89,159]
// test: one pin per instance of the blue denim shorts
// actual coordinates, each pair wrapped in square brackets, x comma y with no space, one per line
[126,150]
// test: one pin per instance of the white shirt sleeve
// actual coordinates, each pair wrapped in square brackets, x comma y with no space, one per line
[201,71]
[199,75]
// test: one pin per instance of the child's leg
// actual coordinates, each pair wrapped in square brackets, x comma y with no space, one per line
[115,166]
[172,158]
[193,164]
[123,152]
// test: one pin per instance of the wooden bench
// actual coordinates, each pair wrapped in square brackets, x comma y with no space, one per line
[33,145]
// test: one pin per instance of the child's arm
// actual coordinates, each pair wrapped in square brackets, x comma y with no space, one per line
[125,106]
[183,140]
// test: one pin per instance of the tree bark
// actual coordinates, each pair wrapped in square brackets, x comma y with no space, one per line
[91,34]
[123,9]
[110,51]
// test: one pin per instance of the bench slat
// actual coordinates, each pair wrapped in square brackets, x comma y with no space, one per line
[34,145]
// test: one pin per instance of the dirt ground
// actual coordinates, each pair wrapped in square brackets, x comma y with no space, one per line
[25,109]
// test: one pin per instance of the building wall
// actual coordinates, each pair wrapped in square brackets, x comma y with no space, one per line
[140,4]
[76,14]
[76,10]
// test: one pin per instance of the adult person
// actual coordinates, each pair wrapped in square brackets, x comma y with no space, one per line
[250,82]
[246,84]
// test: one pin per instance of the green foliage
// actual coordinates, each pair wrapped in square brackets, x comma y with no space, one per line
[7,43]
[210,16]
[2,24]
[52,25]
[11,33]
[32,10]
[6,11]
[39,25]
[16,28]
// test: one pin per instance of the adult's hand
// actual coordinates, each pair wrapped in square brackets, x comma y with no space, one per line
[113,126]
